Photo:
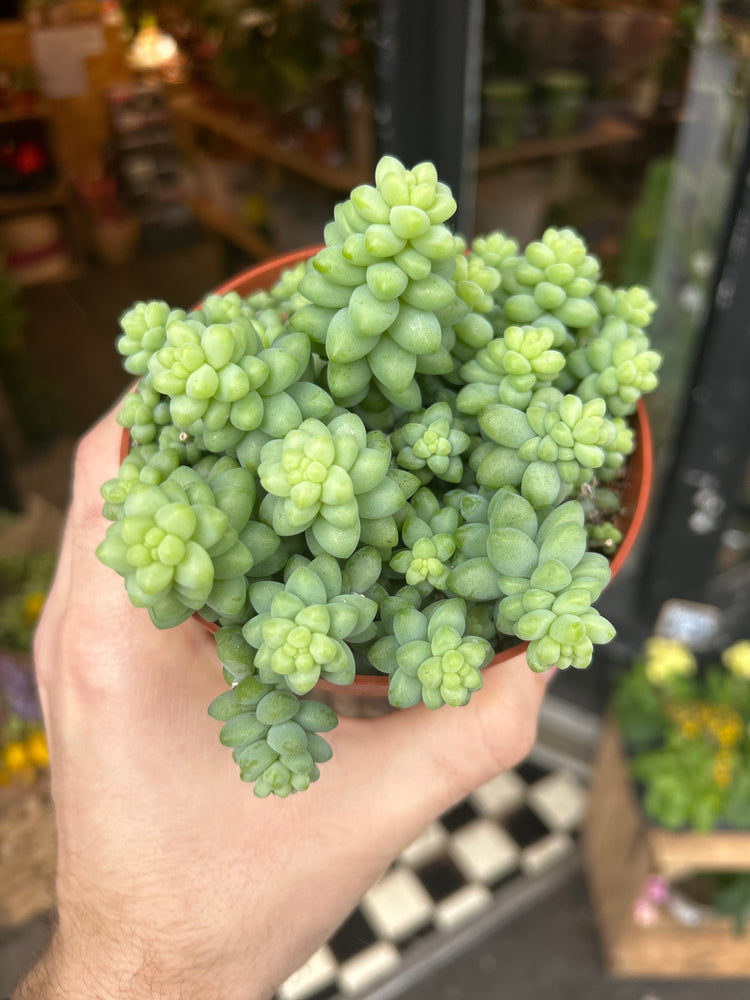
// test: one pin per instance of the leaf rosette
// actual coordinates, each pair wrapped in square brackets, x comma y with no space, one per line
[144,331]
[557,276]
[328,481]
[545,578]
[383,300]
[546,451]
[510,369]
[180,545]
[301,626]
[222,382]
[430,657]
[429,536]
[274,735]
[617,364]
[432,444]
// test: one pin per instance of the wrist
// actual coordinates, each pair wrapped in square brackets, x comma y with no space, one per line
[87,967]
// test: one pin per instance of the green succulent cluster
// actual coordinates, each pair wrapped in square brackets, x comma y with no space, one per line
[332,482]
[383,302]
[556,276]
[556,444]
[181,546]
[389,461]
[509,369]
[617,365]
[144,331]
[301,626]
[429,536]
[634,305]
[545,578]
[496,250]
[274,735]
[499,252]
[430,657]
[284,296]
[226,309]
[431,444]
[475,281]
[221,382]
[143,412]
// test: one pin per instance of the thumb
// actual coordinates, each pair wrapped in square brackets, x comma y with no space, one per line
[429,760]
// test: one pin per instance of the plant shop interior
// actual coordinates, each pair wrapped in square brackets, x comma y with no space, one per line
[152,150]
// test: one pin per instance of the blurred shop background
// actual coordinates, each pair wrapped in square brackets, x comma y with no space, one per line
[153,148]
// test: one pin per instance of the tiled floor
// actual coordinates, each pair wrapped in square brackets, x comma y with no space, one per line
[509,833]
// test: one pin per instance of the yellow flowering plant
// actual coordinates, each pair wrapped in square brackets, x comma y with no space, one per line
[24,579]
[686,728]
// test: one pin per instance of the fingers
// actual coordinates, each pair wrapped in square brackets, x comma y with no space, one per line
[97,460]
[84,591]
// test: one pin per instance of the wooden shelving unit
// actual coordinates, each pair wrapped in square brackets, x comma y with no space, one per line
[605,132]
[39,111]
[242,235]
[194,110]
[191,108]
[35,200]
[70,273]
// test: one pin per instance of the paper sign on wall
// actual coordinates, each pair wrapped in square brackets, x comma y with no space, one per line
[60,58]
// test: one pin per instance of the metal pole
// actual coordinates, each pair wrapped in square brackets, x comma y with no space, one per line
[429,68]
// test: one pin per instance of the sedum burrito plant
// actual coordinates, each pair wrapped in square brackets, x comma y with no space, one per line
[401,458]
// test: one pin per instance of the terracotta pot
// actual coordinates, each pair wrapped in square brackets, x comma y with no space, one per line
[368,696]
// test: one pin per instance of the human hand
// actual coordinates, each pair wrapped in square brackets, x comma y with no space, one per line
[173,879]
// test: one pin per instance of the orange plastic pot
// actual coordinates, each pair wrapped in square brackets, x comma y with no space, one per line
[634,498]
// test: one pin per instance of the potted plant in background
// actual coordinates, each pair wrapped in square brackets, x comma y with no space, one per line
[668,832]
[27,821]
[390,457]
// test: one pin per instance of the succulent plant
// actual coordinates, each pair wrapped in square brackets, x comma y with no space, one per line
[274,735]
[391,460]
[509,369]
[143,412]
[617,364]
[328,480]
[432,444]
[179,546]
[555,445]
[430,657]
[301,625]
[555,276]
[429,537]
[144,331]
[221,382]
[383,299]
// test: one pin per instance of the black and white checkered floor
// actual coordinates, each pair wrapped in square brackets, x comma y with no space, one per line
[508,835]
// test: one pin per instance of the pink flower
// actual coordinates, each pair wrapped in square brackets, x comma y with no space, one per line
[656,889]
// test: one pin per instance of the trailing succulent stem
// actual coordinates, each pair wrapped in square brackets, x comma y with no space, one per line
[389,460]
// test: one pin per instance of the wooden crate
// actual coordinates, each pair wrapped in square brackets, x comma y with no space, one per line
[27,852]
[621,850]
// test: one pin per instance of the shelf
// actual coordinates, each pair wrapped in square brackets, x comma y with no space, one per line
[228,123]
[40,111]
[72,271]
[52,197]
[245,237]
[606,132]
